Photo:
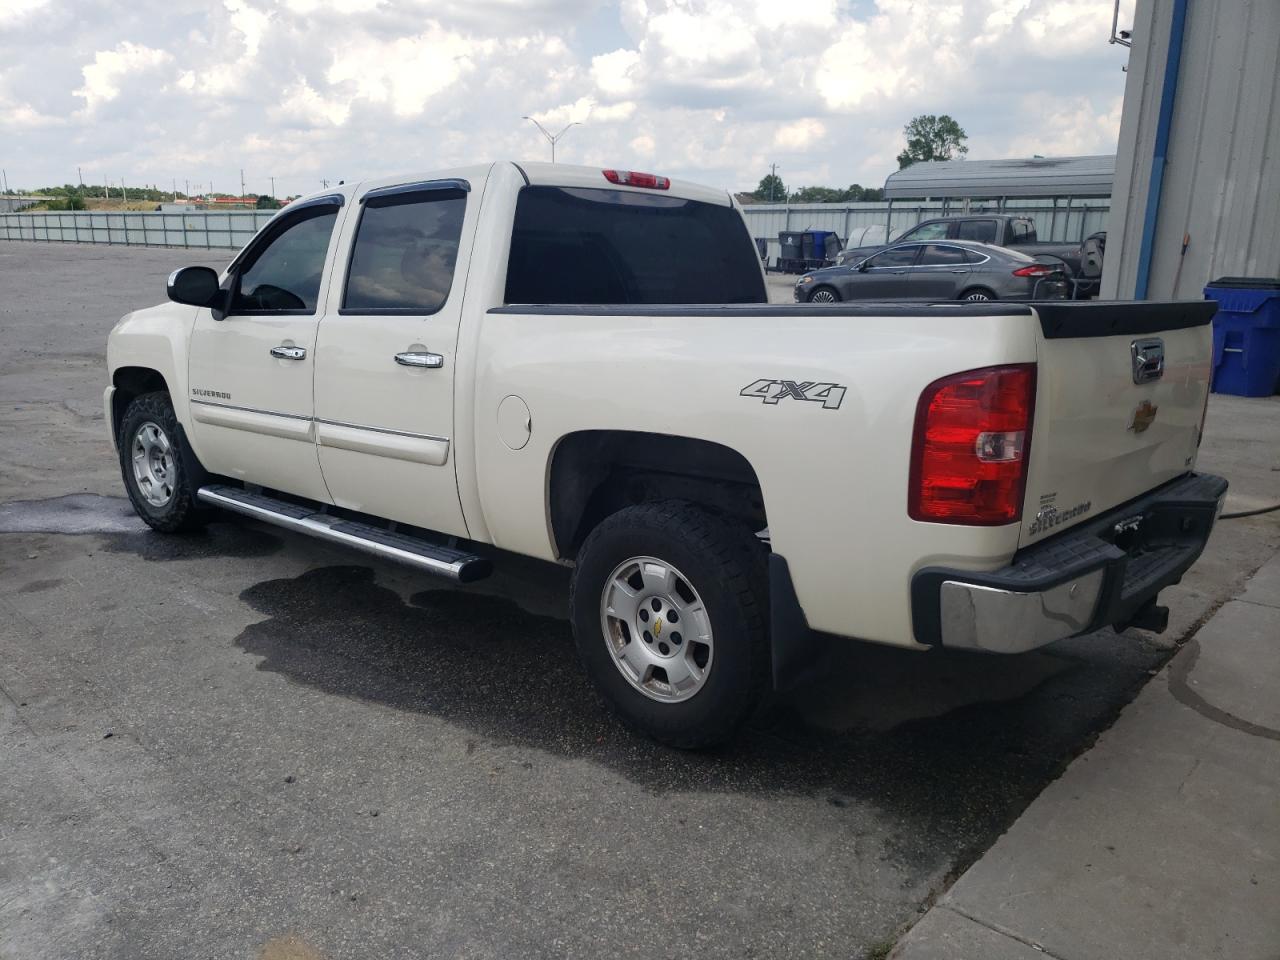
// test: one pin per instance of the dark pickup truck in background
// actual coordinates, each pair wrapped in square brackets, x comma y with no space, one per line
[1083,261]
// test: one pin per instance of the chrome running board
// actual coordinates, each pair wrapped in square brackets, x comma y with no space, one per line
[431,557]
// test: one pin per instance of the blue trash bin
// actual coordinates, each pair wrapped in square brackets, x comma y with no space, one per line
[1246,336]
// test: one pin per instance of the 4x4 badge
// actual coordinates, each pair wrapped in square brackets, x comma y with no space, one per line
[830,395]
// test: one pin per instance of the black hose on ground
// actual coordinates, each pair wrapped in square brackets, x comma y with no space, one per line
[1248,513]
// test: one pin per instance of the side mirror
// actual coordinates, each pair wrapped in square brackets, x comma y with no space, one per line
[861,267]
[194,286]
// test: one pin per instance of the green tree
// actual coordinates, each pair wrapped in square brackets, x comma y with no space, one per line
[817,195]
[266,202]
[771,189]
[932,138]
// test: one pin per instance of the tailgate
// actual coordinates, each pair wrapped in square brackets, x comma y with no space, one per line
[1119,403]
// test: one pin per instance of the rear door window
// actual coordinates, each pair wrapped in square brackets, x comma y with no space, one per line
[940,255]
[984,231]
[1023,231]
[600,246]
[405,251]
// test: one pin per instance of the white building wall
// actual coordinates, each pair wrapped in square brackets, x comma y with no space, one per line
[1222,173]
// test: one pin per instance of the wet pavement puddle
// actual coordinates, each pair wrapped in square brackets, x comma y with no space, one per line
[76,513]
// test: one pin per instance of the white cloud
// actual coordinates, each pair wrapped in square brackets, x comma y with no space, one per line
[103,77]
[251,24]
[612,71]
[15,10]
[799,135]
[407,72]
[302,106]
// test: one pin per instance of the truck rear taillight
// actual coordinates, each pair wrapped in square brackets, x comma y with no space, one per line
[969,452]
[1036,270]
[630,178]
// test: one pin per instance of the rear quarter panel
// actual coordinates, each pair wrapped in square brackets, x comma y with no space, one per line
[834,479]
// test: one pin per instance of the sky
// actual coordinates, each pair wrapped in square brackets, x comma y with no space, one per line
[154,91]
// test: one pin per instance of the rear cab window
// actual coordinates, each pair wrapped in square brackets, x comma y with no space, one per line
[600,246]
[984,231]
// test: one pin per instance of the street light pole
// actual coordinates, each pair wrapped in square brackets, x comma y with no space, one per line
[550,139]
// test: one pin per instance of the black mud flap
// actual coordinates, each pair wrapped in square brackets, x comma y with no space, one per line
[799,653]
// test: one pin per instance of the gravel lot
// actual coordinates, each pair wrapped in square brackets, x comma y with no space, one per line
[248,744]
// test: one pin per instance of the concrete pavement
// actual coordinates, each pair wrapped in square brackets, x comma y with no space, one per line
[1163,840]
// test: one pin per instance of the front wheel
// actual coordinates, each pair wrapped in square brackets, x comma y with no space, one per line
[153,466]
[669,610]
[824,295]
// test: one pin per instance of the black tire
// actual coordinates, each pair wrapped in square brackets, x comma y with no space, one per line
[725,564]
[835,294]
[181,511]
[978,294]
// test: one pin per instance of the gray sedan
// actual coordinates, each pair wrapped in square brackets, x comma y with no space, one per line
[944,270]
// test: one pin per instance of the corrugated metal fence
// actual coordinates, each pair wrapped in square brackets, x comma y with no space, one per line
[198,228]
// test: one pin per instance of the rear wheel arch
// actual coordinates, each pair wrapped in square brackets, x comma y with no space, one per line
[595,473]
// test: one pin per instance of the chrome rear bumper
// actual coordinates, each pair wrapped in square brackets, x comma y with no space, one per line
[1105,572]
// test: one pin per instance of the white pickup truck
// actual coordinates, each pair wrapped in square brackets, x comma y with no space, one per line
[580,365]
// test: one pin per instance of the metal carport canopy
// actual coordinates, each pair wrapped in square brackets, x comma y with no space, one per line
[978,179]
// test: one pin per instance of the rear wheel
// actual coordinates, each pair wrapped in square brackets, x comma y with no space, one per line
[977,294]
[824,295]
[154,468]
[669,611]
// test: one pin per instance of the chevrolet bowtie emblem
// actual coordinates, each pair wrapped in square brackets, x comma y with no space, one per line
[1143,416]
[657,627]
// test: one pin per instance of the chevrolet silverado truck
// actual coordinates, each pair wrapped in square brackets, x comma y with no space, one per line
[580,365]
[1081,262]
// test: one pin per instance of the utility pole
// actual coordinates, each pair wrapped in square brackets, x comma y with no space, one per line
[124,190]
[187,191]
[773,179]
[242,183]
[5,177]
[175,189]
[550,139]
[80,177]
[324,184]
[273,188]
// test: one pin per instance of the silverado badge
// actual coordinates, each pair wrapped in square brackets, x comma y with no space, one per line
[1143,416]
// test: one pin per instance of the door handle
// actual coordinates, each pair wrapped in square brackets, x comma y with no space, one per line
[289,353]
[432,361]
